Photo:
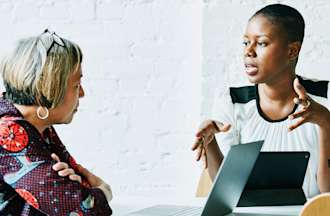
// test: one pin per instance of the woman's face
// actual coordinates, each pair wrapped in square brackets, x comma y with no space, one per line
[266,51]
[63,113]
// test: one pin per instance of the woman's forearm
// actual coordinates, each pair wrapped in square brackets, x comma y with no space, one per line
[214,158]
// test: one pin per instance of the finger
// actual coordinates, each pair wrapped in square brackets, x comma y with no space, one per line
[209,126]
[75,177]
[217,125]
[198,142]
[304,102]
[60,166]
[66,172]
[212,127]
[204,158]
[208,139]
[55,157]
[225,127]
[299,89]
[204,129]
[297,124]
[297,114]
[199,153]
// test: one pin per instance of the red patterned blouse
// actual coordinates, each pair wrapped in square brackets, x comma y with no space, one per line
[28,184]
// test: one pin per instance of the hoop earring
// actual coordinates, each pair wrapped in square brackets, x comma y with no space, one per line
[39,115]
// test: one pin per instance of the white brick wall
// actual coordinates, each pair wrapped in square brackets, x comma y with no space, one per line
[151,68]
[142,63]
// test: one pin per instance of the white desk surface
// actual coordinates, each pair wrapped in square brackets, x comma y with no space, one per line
[125,205]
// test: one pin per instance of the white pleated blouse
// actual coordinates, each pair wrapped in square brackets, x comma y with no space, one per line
[240,108]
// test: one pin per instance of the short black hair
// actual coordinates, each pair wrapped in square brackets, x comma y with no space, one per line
[287,18]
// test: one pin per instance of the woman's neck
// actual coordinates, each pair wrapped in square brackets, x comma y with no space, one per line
[279,91]
[29,113]
[276,98]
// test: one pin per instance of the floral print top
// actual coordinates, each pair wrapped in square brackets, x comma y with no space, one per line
[28,184]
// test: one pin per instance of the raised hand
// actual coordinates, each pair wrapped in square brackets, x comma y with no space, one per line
[311,110]
[204,137]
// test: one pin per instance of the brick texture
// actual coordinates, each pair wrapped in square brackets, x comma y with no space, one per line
[151,69]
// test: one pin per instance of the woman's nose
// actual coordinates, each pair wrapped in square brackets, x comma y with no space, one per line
[249,51]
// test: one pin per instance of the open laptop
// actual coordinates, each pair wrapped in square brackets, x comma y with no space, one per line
[227,188]
[276,179]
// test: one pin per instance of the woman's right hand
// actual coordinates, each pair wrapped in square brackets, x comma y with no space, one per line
[205,135]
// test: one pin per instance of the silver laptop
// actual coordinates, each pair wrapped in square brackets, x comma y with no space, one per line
[227,188]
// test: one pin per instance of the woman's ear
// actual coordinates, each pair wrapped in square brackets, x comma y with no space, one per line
[294,49]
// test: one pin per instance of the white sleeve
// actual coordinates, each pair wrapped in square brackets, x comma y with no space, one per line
[223,111]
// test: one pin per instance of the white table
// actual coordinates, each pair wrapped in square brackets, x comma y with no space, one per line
[125,205]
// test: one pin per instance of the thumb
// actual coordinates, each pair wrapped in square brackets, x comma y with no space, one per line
[299,89]
[221,127]
[225,127]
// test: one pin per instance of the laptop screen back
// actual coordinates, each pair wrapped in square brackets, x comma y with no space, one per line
[278,170]
[231,178]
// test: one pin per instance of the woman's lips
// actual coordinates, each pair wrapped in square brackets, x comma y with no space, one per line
[251,70]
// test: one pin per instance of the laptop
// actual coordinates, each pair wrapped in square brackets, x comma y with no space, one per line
[229,183]
[276,179]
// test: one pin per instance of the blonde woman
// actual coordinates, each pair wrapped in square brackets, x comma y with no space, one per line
[38,176]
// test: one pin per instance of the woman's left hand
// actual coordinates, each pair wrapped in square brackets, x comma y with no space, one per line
[64,170]
[311,110]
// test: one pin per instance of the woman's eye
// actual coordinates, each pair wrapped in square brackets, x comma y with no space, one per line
[245,43]
[262,44]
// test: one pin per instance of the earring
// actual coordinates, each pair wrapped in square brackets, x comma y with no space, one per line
[39,110]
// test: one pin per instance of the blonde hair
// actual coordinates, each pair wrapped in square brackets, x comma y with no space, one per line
[36,72]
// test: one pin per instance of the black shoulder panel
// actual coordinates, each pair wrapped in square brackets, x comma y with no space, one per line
[243,94]
[315,87]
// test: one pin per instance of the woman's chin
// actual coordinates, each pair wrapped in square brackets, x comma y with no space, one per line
[253,80]
[256,79]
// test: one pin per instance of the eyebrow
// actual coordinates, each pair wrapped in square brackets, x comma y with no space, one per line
[258,36]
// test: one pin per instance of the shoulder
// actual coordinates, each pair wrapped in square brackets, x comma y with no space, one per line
[315,87]
[13,136]
[243,94]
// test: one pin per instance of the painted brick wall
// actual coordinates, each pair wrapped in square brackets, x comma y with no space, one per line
[142,63]
[151,69]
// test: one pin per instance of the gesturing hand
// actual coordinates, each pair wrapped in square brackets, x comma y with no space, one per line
[311,110]
[64,170]
[205,135]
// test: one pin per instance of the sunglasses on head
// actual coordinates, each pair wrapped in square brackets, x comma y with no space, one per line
[49,39]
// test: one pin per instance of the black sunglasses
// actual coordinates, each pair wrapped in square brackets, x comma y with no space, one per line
[49,39]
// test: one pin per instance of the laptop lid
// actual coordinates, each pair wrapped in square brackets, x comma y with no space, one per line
[231,178]
[276,179]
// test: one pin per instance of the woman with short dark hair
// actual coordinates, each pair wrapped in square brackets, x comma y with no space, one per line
[288,111]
